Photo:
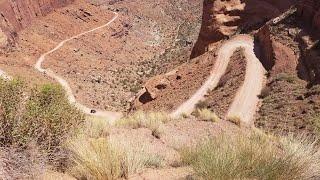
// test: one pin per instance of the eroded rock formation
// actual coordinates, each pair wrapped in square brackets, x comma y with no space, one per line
[224,18]
[18,14]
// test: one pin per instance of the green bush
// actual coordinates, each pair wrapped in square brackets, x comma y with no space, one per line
[48,119]
[11,96]
[41,117]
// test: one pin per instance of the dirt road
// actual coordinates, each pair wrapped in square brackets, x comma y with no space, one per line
[245,104]
[110,116]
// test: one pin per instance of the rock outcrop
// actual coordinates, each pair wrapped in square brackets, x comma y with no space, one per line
[224,18]
[18,14]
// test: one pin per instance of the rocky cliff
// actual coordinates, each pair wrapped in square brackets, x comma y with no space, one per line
[223,18]
[18,14]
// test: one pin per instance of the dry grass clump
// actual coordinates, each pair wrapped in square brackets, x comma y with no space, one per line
[206,115]
[254,157]
[144,119]
[95,156]
[150,120]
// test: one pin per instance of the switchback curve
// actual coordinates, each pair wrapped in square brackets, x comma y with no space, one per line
[246,101]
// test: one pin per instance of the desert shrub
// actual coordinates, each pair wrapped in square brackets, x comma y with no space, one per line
[41,117]
[48,118]
[11,98]
[254,157]
[206,115]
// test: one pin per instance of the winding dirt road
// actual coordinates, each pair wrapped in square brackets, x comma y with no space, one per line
[244,105]
[108,115]
[246,101]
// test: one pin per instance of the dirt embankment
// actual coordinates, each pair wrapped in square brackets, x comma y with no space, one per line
[16,15]
[224,18]
[166,92]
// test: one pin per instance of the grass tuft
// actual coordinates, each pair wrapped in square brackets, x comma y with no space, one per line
[150,120]
[95,156]
[206,115]
[254,157]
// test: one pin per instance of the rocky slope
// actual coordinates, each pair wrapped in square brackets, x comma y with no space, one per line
[16,15]
[220,19]
[287,43]
[148,38]
[290,51]
[224,18]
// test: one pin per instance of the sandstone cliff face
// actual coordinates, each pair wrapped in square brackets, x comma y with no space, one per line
[224,18]
[18,14]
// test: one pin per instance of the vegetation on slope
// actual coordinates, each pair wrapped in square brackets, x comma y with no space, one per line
[95,156]
[37,120]
[254,156]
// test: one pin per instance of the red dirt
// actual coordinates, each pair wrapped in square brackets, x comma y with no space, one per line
[178,85]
